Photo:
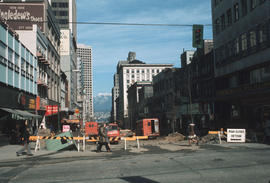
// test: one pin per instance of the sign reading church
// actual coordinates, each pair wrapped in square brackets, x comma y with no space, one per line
[21,16]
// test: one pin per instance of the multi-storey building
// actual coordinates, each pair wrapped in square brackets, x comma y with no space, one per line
[115,94]
[65,12]
[186,57]
[134,101]
[41,14]
[69,65]
[130,72]
[242,61]
[85,54]
[18,80]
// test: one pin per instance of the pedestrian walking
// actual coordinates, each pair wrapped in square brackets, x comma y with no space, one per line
[103,138]
[26,145]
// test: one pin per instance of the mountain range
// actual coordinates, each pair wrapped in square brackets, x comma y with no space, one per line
[102,102]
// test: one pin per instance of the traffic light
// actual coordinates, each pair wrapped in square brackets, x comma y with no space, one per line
[197,41]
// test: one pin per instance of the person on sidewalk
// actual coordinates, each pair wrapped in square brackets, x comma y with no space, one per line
[103,138]
[26,145]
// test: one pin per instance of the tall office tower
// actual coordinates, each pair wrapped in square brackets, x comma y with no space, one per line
[115,94]
[85,54]
[66,14]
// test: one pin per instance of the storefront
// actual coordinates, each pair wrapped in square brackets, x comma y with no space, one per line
[15,108]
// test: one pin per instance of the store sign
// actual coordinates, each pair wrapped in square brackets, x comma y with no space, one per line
[32,104]
[66,128]
[236,135]
[22,16]
[51,109]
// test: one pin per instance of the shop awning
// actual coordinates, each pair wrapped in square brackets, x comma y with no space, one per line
[20,114]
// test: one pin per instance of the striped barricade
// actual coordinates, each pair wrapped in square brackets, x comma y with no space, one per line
[63,140]
[137,138]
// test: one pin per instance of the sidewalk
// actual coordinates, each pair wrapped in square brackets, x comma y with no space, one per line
[8,153]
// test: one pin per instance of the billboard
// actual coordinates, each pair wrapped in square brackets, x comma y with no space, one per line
[21,16]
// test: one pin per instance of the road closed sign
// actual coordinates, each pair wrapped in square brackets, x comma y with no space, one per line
[236,135]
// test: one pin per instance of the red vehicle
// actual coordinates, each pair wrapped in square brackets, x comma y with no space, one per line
[91,128]
[113,131]
[147,127]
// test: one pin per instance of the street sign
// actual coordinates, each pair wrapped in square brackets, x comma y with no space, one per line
[236,135]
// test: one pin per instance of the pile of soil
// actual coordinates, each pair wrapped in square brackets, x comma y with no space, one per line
[173,137]
[211,139]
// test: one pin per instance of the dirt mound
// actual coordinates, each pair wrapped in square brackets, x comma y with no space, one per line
[173,137]
[211,139]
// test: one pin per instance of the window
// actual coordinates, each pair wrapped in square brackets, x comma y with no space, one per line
[2,50]
[10,55]
[252,39]
[127,81]
[236,46]
[16,60]
[132,71]
[54,4]
[229,17]
[262,34]
[127,70]
[223,26]
[23,64]
[244,41]
[63,13]
[236,12]
[217,22]
[253,4]
[244,7]
[138,71]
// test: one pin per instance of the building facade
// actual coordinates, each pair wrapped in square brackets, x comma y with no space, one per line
[69,65]
[130,72]
[242,62]
[85,54]
[115,95]
[18,81]
[42,15]
[186,57]
[65,12]
[136,93]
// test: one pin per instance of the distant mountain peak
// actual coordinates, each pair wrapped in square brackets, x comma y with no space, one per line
[102,102]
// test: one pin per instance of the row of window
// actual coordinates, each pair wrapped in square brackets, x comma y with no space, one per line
[245,43]
[142,71]
[233,14]
[60,13]
[60,5]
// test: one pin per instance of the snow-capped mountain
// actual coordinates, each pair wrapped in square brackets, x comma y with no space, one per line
[102,102]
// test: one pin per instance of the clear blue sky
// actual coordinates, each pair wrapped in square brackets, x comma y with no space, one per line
[151,44]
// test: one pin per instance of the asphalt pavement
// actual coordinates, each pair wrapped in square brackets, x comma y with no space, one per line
[152,163]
